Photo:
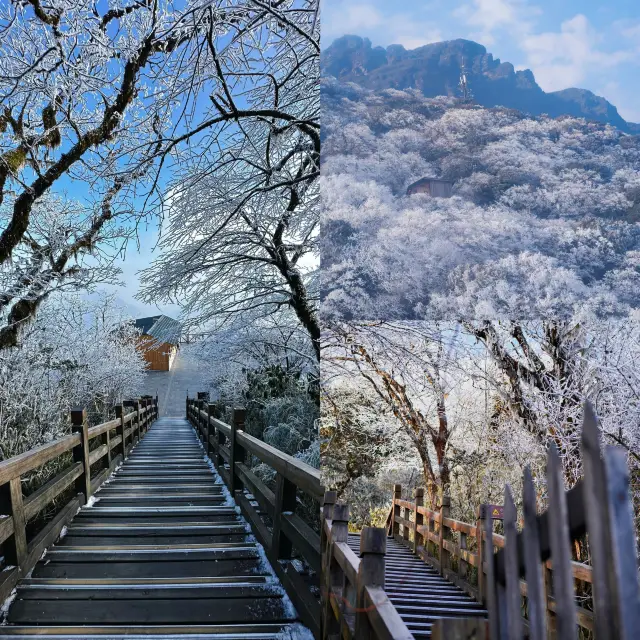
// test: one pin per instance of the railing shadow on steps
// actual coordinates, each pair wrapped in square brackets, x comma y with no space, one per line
[271,513]
[534,564]
[95,453]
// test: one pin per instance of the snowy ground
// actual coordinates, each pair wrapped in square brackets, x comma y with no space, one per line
[187,374]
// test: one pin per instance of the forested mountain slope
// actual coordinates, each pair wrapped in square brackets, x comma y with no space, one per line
[544,216]
[434,69]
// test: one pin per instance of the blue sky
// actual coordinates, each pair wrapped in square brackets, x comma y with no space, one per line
[566,43]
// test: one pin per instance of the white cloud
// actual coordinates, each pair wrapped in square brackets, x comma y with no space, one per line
[382,26]
[488,16]
[341,18]
[563,59]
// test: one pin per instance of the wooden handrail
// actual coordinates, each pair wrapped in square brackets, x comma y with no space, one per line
[36,457]
[16,511]
[229,447]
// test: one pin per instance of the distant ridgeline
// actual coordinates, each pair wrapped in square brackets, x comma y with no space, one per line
[435,70]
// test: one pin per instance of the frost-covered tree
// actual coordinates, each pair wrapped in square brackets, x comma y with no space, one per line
[243,204]
[268,367]
[510,389]
[112,97]
[406,367]
[543,219]
[64,248]
[75,353]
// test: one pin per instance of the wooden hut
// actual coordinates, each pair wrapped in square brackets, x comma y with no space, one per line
[435,187]
[158,341]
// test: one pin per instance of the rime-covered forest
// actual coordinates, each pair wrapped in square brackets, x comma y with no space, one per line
[462,408]
[544,218]
[200,119]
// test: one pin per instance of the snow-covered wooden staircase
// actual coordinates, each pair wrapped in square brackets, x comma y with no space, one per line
[160,552]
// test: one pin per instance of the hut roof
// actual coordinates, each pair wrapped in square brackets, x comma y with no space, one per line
[162,328]
[417,183]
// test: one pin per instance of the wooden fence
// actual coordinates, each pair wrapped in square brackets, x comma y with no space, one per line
[95,453]
[271,512]
[600,506]
[527,580]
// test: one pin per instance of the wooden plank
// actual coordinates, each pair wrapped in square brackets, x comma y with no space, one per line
[9,577]
[302,475]
[30,460]
[258,526]
[560,549]
[303,600]
[303,537]
[490,583]
[146,590]
[263,495]
[39,499]
[535,593]
[16,549]
[6,527]
[596,509]
[513,601]
[146,569]
[455,629]
[98,453]
[51,532]
[158,611]
[347,561]
[623,558]
[383,617]
[99,429]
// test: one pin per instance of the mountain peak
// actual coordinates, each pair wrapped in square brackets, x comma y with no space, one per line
[435,69]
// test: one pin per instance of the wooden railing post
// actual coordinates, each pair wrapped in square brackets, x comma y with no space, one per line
[211,410]
[203,399]
[131,404]
[328,502]
[107,441]
[81,451]
[443,554]
[187,409]
[147,413]
[481,552]
[418,538]
[285,495]
[220,441]
[406,529]
[373,547]
[397,495]
[335,576]
[138,416]
[462,564]
[120,430]
[237,453]
[14,548]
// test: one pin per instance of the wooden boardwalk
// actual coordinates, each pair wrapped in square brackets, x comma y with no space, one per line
[162,552]
[418,592]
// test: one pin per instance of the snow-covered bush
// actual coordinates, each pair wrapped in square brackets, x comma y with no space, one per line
[76,353]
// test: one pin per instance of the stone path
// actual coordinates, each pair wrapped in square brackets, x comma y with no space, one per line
[187,374]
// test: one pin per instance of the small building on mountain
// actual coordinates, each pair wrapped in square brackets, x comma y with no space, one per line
[435,187]
[158,341]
